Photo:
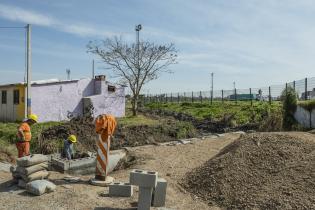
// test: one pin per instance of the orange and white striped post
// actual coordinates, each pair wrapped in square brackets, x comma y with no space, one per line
[103,146]
[105,126]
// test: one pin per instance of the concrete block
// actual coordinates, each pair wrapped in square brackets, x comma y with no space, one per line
[82,163]
[159,193]
[145,198]
[120,189]
[143,178]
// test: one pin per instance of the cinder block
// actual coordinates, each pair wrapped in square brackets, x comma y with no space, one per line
[143,178]
[145,198]
[159,193]
[120,189]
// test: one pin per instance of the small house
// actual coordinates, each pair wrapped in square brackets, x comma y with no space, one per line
[56,100]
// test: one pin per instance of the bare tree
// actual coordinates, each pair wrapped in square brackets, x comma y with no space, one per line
[134,66]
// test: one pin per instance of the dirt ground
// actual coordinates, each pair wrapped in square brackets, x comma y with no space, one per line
[171,162]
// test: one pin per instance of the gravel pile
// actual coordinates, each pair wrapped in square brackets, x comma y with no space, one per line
[259,171]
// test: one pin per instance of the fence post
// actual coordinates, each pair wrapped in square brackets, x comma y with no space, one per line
[200,96]
[192,96]
[235,96]
[177,97]
[222,96]
[294,85]
[305,88]
[251,96]
[166,99]
[269,95]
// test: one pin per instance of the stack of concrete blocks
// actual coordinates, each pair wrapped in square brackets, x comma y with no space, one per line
[30,168]
[152,190]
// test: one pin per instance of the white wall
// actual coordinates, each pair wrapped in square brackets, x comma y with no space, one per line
[302,116]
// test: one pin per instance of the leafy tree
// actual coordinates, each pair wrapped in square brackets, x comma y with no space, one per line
[134,65]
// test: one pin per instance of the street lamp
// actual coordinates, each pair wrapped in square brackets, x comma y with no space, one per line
[138,28]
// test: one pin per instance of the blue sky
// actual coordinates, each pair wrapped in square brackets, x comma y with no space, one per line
[252,42]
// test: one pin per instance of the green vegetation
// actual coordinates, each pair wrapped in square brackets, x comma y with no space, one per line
[289,99]
[308,105]
[243,112]
[136,120]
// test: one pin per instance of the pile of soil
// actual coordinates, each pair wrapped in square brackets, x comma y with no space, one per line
[259,171]
[204,125]
[50,139]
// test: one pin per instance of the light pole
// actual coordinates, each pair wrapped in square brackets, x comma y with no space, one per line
[138,28]
[28,70]
[211,87]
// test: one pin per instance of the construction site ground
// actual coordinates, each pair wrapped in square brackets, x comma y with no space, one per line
[171,162]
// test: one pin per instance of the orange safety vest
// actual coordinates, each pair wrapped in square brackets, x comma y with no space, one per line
[25,127]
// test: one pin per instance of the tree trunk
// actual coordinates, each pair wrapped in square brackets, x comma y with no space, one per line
[134,104]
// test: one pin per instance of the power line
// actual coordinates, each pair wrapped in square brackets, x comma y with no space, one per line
[8,27]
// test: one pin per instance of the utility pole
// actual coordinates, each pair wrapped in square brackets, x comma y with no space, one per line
[211,87]
[233,85]
[68,73]
[93,72]
[28,70]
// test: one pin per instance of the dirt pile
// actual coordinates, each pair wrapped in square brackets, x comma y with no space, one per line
[205,125]
[50,140]
[259,171]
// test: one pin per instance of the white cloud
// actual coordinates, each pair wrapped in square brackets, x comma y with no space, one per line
[13,13]
[25,16]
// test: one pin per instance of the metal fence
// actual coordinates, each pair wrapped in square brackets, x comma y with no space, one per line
[305,89]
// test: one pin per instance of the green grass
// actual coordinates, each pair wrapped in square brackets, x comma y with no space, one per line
[136,120]
[243,112]
[309,105]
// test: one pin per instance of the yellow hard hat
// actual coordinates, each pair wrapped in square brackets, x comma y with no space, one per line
[33,117]
[72,138]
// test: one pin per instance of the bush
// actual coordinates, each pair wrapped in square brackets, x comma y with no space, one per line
[289,100]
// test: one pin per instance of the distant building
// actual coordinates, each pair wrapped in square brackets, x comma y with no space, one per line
[309,94]
[55,100]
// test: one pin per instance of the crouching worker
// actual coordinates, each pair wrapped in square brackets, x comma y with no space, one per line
[24,135]
[68,151]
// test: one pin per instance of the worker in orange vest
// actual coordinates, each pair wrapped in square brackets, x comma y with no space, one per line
[104,126]
[24,135]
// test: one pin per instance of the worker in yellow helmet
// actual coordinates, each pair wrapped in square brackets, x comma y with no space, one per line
[24,135]
[68,150]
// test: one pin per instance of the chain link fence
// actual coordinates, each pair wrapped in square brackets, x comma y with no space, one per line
[305,89]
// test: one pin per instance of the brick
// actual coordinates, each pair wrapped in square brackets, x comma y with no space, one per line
[145,198]
[143,178]
[120,189]
[159,193]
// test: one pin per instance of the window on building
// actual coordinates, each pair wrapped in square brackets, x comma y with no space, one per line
[4,97]
[16,96]
[111,88]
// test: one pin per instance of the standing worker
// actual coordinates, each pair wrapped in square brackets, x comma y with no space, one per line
[104,126]
[68,151]
[24,135]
